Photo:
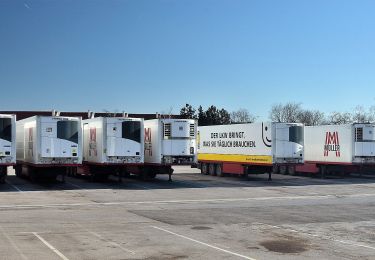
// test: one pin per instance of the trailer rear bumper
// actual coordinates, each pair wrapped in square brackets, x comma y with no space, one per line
[7,164]
[49,165]
[112,164]
[316,167]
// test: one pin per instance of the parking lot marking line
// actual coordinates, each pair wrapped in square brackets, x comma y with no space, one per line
[205,244]
[321,237]
[14,186]
[111,242]
[13,244]
[332,196]
[57,252]
[104,239]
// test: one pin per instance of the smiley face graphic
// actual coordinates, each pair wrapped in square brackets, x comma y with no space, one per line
[266,135]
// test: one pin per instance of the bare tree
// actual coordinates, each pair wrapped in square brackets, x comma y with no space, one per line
[311,117]
[359,114]
[289,112]
[371,114]
[241,115]
[338,118]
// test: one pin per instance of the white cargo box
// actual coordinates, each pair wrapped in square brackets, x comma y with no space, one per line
[115,140]
[170,141]
[256,143]
[340,144]
[7,139]
[49,140]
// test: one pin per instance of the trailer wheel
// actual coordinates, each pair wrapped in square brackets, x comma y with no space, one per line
[124,173]
[219,170]
[151,175]
[18,170]
[275,169]
[3,174]
[74,172]
[146,174]
[322,171]
[283,169]
[211,169]
[204,169]
[33,174]
[291,170]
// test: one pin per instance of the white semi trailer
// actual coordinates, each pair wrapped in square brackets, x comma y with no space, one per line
[48,145]
[112,145]
[338,148]
[7,144]
[169,142]
[250,148]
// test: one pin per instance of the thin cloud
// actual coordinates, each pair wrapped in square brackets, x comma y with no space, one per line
[26,5]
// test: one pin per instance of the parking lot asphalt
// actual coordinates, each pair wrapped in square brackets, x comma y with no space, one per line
[193,217]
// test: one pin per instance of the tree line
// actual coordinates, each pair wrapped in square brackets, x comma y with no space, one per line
[216,116]
[288,112]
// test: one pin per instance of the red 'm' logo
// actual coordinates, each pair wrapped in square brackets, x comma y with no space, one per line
[332,143]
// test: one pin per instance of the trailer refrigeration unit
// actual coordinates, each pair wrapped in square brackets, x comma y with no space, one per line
[48,145]
[7,144]
[169,142]
[250,148]
[338,148]
[112,145]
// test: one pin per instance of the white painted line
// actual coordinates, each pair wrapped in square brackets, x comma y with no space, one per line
[104,239]
[13,244]
[321,237]
[14,186]
[57,252]
[185,201]
[111,242]
[205,244]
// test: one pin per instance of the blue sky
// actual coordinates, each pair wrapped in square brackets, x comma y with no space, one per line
[148,56]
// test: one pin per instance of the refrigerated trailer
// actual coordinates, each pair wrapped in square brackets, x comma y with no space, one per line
[112,145]
[48,145]
[250,148]
[169,142]
[7,144]
[338,148]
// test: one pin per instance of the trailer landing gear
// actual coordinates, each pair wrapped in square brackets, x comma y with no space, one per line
[170,172]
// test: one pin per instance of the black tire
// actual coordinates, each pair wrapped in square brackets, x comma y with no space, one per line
[322,171]
[3,174]
[151,175]
[219,170]
[204,168]
[75,172]
[283,169]
[33,174]
[18,171]
[124,173]
[211,169]
[291,170]
[145,174]
[102,177]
